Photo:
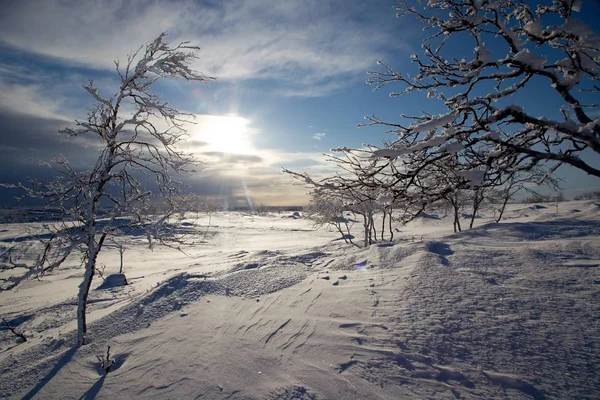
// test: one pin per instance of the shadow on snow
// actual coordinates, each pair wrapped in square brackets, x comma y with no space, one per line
[546,230]
[123,225]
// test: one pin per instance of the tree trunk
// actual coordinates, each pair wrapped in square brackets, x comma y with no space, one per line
[367,229]
[338,226]
[477,200]
[390,226]
[502,209]
[121,251]
[383,224]
[457,220]
[84,291]
[349,234]
[84,288]
[475,209]
[373,232]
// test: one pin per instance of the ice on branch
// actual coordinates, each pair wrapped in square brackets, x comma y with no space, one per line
[530,60]
[433,123]
[452,148]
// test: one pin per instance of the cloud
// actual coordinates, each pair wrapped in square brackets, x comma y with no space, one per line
[233,157]
[25,139]
[48,92]
[30,99]
[195,143]
[301,49]
[234,191]
[262,181]
[311,46]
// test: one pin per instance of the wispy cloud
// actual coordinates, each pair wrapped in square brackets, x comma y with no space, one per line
[29,99]
[311,45]
[286,48]
[233,158]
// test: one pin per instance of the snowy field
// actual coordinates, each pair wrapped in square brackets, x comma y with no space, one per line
[266,307]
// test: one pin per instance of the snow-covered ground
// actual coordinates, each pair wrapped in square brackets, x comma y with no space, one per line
[266,307]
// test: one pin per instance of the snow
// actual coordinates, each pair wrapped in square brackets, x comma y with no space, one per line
[494,135]
[266,307]
[484,56]
[433,123]
[533,28]
[525,57]
[388,153]
[452,148]
[402,150]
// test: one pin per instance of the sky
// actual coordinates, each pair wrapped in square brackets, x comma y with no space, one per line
[290,84]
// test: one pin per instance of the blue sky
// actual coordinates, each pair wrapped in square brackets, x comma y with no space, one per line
[290,82]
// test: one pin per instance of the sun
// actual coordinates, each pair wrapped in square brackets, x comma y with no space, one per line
[224,133]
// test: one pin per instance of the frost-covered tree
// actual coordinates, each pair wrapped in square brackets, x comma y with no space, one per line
[326,209]
[521,181]
[361,186]
[137,135]
[516,47]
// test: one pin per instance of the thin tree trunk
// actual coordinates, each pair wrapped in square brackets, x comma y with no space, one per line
[502,209]
[373,229]
[456,220]
[84,288]
[390,226]
[121,251]
[383,224]
[339,228]
[472,220]
[367,229]
[474,213]
[349,234]
[477,200]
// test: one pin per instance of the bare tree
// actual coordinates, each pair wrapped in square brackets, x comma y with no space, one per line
[366,185]
[530,45]
[112,197]
[477,198]
[527,181]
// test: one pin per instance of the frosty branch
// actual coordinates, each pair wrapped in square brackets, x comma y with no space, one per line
[513,44]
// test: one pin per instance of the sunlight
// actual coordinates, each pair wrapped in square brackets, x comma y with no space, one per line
[224,133]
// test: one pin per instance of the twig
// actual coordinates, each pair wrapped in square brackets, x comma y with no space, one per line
[12,329]
[106,363]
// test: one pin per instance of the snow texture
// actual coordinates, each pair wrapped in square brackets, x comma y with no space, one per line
[269,308]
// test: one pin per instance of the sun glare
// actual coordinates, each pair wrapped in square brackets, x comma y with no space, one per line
[224,133]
